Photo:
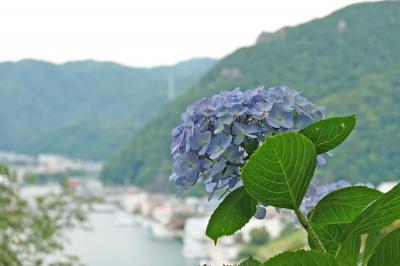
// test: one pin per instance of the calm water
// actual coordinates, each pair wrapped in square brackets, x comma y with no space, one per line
[110,245]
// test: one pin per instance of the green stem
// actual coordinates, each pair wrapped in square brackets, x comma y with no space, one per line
[306,224]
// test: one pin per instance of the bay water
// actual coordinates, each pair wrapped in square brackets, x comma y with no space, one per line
[108,244]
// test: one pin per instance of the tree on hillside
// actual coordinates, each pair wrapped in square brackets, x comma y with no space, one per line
[33,233]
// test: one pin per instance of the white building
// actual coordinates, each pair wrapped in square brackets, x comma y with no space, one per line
[196,245]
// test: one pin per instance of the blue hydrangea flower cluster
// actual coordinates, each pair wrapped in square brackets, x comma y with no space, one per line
[210,142]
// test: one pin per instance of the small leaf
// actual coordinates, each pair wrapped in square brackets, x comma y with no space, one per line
[329,236]
[250,262]
[251,146]
[302,258]
[372,242]
[346,252]
[343,205]
[329,133]
[380,213]
[279,172]
[388,251]
[231,215]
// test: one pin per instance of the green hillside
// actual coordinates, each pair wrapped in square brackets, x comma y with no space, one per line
[84,109]
[348,61]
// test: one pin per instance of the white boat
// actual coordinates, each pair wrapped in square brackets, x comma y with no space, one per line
[124,219]
[103,207]
[160,231]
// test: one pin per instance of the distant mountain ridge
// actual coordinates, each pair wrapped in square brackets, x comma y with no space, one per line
[348,61]
[84,109]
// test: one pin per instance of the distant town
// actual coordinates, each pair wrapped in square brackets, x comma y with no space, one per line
[165,216]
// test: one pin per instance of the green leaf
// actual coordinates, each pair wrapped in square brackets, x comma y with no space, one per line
[349,251]
[332,214]
[380,213]
[329,133]
[279,172]
[388,251]
[250,262]
[372,242]
[346,253]
[329,236]
[343,205]
[251,146]
[231,215]
[302,258]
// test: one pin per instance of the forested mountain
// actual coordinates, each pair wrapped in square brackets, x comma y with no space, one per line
[348,61]
[84,109]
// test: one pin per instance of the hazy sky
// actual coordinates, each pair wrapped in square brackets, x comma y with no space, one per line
[146,32]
